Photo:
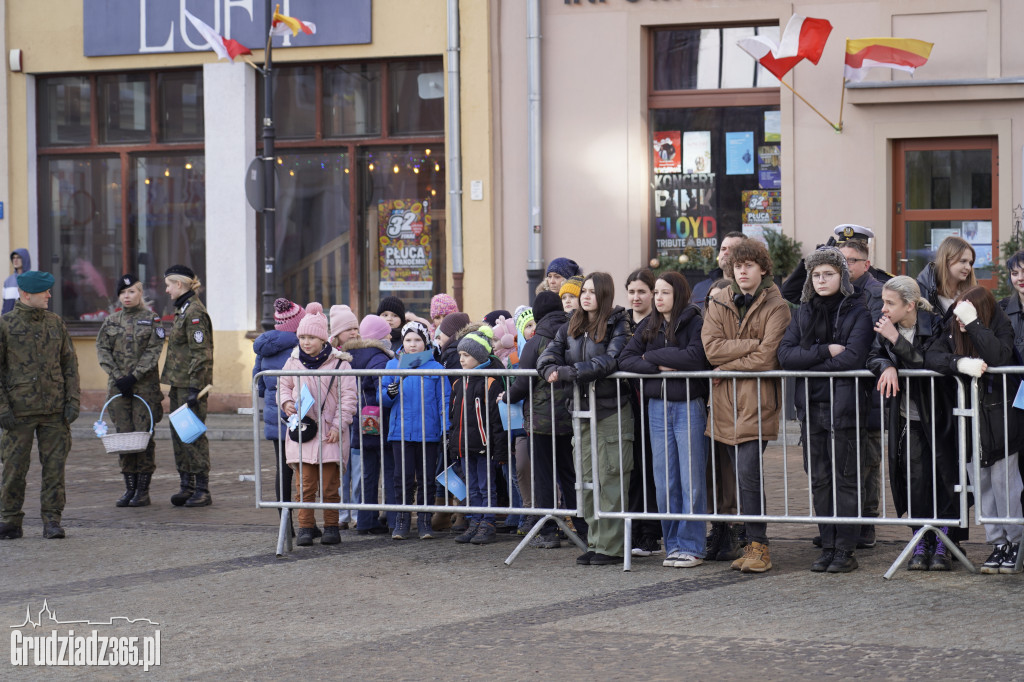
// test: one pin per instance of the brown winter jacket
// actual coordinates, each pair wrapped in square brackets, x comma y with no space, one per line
[749,346]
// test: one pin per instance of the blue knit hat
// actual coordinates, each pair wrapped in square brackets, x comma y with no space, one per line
[35,281]
[564,267]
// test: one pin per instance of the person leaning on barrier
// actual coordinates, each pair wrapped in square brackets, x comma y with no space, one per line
[39,398]
[188,368]
[830,332]
[583,352]
[917,444]
[669,341]
[549,427]
[980,337]
[743,327]
[792,289]
[128,346]
[1013,305]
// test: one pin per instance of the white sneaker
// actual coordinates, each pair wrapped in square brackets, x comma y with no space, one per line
[670,560]
[687,561]
[640,551]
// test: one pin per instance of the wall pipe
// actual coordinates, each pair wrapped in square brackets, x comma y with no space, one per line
[454,148]
[535,260]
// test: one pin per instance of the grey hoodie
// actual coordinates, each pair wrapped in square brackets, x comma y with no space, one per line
[11,283]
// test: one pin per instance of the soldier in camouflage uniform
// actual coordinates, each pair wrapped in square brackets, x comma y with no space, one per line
[188,368]
[128,346]
[39,397]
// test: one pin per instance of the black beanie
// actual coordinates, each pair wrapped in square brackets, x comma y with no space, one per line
[546,302]
[491,318]
[394,304]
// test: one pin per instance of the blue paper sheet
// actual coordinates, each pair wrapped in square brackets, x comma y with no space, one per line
[517,415]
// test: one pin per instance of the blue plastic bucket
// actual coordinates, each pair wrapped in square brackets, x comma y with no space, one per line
[186,424]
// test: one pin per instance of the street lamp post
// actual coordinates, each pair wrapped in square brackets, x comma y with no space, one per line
[269,189]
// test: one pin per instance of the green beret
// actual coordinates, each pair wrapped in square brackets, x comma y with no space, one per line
[35,281]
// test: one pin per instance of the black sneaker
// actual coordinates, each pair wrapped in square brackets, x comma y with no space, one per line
[331,536]
[1009,564]
[823,561]
[604,559]
[843,562]
[545,541]
[941,559]
[921,558]
[304,538]
[733,542]
[645,545]
[994,561]
[867,538]
[584,559]
[9,531]
[713,542]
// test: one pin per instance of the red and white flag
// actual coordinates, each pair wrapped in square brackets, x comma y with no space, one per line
[226,48]
[282,25]
[804,38]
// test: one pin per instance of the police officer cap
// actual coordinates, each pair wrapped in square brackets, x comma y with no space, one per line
[848,231]
[126,281]
[35,281]
[183,270]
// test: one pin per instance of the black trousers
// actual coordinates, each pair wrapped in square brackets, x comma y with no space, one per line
[553,463]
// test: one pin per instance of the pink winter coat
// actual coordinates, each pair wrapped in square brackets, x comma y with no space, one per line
[332,416]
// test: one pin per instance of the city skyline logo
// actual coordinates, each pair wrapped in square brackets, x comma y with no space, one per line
[51,617]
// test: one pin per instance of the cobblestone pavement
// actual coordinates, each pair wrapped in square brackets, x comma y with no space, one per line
[374,608]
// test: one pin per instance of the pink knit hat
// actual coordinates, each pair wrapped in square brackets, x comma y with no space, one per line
[287,315]
[314,323]
[374,327]
[441,305]
[342,319]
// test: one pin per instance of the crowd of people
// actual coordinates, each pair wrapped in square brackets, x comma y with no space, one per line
[667,444]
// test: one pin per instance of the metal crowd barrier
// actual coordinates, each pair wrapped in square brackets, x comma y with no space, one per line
[786,491]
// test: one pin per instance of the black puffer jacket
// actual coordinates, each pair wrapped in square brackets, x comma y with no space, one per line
[686,353]
[538,413]
[852,329]
[1012,307]
[583,360]
[994,345]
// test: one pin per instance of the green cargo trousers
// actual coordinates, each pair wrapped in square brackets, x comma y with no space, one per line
[54,438]
[608,536]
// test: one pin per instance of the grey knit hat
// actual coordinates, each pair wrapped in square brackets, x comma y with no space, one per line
[827,255]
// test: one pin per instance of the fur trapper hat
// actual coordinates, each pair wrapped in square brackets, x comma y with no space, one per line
[826,255]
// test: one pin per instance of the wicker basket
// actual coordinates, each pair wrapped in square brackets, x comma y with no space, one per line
[126,443]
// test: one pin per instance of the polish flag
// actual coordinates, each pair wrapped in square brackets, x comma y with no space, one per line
[226,48]
[804,38]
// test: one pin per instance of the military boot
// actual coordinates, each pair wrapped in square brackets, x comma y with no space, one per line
[130,482]
[188,487]
[201,497]
[141,498]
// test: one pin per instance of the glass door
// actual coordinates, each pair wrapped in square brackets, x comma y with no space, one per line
[945,187]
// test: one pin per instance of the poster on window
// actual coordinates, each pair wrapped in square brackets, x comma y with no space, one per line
[668,152]
[685,214]
[697,151]
[762,206]
[773,126]
[404,228]
[977,231]
[739,153]
[769,175]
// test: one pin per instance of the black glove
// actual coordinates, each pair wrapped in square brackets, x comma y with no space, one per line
[193,398]
[7,420]
[70,413]
[125,384]
[831,241]
[393,390]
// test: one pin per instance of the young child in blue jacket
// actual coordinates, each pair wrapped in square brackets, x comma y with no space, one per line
[417,420]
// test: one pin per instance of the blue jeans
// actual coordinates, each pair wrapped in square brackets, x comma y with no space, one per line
[680,458]
[351,488]
[482,492]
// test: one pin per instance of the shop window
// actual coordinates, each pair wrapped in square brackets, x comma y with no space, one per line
[715,143]
[118,199]
[945,187]
[332,196]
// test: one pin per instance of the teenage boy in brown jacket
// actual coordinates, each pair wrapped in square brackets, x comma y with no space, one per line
[743,327]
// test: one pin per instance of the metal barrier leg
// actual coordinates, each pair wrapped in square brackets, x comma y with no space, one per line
[917,538]
[560,522]
[951,546]
[284,533]
[627,554]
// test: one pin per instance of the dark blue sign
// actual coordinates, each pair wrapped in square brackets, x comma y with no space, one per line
[114,27]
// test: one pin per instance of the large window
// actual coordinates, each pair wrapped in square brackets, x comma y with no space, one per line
[715,137]
[357,144]
[121,185]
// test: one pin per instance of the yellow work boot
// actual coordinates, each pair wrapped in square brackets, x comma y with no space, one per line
[757,560]
[748,550]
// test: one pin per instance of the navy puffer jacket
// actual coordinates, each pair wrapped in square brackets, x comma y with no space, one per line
[272,349]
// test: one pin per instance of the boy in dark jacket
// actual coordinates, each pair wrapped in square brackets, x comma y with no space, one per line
[831,332]
[476,432]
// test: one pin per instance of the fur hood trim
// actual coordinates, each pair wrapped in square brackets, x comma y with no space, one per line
[356,344]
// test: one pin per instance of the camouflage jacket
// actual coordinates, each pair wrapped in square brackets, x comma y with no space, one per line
[189,361]
[130,342]
[38,365]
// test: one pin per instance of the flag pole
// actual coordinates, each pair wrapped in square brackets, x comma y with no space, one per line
[842,101]
[838,128]
[269,188]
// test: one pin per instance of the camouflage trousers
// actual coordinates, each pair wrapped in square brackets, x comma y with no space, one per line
[194,457]
[128,415]
[54,437]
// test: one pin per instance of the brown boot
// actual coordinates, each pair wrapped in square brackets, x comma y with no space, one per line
[441,521]
[759,560]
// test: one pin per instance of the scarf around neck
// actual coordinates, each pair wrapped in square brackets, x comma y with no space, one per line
[823,312]
[314,361]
